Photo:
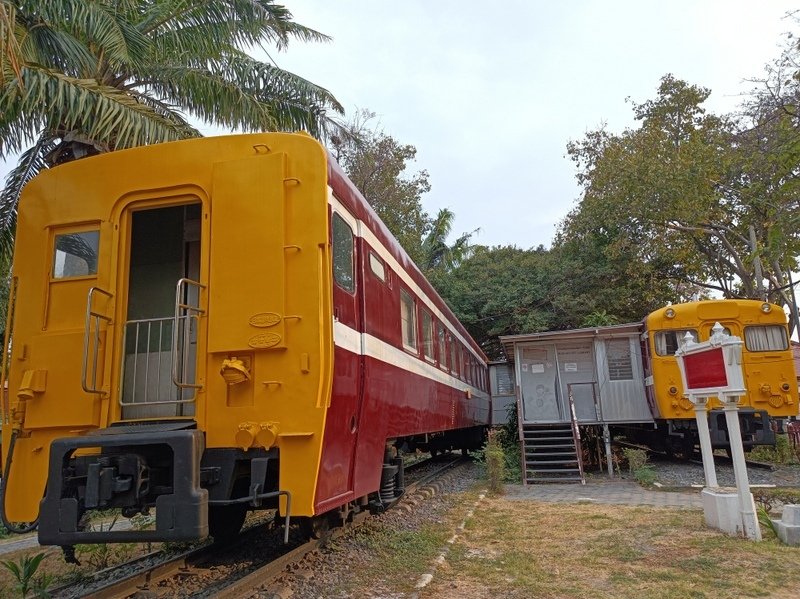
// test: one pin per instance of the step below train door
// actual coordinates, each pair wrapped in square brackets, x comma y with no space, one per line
[159,361]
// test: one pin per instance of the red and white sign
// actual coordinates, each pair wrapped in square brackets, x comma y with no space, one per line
[712,367]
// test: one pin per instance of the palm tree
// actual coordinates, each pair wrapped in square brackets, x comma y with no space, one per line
[438,255]
[79,77]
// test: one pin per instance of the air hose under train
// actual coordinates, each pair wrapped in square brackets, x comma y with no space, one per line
[19,529]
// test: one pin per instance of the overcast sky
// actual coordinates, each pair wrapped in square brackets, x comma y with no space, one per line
[490,94]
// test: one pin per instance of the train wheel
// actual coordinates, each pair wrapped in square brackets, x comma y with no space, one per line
[225,521]
[680,449]
[317,527]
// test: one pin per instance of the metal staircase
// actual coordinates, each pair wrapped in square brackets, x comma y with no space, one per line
[551,454]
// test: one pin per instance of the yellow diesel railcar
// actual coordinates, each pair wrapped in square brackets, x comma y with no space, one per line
[766,361]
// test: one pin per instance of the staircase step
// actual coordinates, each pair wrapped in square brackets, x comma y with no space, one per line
[564,455]
[551,462]
[557,479]
[553,470]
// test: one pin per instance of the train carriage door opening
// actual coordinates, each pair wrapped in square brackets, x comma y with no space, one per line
[158,348]
[539,384]
[577,375]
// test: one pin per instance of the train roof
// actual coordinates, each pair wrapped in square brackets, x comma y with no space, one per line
[508,341]
[354,200]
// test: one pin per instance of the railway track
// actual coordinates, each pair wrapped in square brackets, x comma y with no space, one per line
[722,459]
[164,579]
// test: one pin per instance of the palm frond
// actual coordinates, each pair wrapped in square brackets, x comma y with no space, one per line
[100,112]
[95,23]
[236,98]
[249,22]
[30,163]
[10,55]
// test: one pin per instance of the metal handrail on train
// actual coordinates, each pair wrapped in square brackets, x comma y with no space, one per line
[91,315]
[576,433]
[189,312]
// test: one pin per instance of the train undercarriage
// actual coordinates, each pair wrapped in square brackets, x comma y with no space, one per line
[195,491]
[679,438]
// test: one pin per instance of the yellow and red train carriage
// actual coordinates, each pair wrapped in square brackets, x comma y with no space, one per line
[213,325]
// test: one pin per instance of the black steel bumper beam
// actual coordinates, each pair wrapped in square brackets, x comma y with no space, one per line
[755,426]
[181,515]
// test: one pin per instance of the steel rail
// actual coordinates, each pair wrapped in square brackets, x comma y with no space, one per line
[266,574]
[136,582]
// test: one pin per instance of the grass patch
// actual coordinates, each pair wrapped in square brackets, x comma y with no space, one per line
[530,549]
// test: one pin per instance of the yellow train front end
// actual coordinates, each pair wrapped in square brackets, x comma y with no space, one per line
[766,362]
[171,339]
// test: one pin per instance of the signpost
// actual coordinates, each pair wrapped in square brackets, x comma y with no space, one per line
[709,369]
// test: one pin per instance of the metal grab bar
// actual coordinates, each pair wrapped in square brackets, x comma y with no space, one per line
[96,317]
[187,313]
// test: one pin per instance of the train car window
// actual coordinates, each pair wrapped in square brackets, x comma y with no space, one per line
[343,250]
[453,357]
[618,357]
[427,336]
[442,349]
[408,319]
[668,342]
[75,254]
[377,267]
[766,338]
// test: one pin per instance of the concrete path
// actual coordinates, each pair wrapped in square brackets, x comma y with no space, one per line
[617,491]
[18,542]
[31,539]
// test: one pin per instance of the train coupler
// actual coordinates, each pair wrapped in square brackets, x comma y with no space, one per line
[131,469]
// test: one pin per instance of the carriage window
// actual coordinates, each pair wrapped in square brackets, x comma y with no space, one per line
[766,338]
[377,267]
[442,349]
[427,335]
[75,254]
[668,342]
[408,318]
[453,359]
[343,249]
[620,366]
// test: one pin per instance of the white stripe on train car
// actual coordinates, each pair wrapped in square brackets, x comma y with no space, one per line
[361,230]
[351,340]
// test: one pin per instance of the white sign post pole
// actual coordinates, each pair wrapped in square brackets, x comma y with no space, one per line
[700,405]
[747,506]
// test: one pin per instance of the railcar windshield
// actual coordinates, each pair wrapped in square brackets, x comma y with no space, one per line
[668,342]
[766,338]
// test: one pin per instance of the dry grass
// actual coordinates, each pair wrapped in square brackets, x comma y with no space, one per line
[531,549]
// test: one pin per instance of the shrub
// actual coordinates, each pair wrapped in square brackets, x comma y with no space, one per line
[636,458]
[24,573]
[495,462]
[645,475]
[781,453]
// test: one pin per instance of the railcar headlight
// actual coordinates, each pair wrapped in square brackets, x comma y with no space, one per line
[673,390]
[669,313]
[766,308]
[785,387]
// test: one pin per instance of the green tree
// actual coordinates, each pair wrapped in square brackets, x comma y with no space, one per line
[80,77]
[438,255]
[378,165]
[688,197]
[502,290]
